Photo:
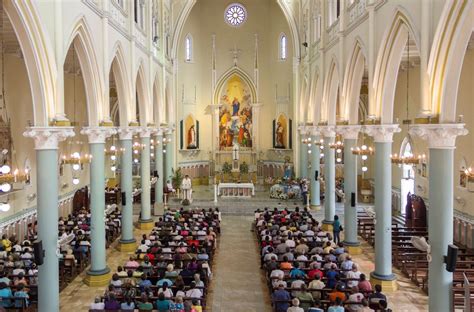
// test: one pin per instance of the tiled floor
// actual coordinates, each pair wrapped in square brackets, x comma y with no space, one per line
[238,284]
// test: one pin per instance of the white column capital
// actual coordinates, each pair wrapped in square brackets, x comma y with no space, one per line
[146,132]
[47,138]
[328,131]
[98,135]
[158,132]
[439,135]
[314,130]
[127,133]
[382,133]
[350,132]
[302,129]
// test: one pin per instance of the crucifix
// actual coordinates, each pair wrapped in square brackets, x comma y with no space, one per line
[235,54]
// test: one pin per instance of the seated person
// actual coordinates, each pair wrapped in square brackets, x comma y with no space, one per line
[169,187]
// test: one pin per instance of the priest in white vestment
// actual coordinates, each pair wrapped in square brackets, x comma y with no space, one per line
[186,186]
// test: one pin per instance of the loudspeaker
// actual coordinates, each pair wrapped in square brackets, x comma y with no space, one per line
[124,199]
[316,175]
[38,252]
[353,199]
[155,174]
[451,258]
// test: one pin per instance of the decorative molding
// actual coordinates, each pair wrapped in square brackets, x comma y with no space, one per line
[47,138]
[146,132]
[127,133]
[328,131]
[382,133]
[440,135]
[98,135]
[350,132]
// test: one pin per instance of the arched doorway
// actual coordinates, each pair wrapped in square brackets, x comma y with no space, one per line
[407,182]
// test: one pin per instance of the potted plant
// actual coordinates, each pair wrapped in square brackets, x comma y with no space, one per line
[177,178]
[244,168]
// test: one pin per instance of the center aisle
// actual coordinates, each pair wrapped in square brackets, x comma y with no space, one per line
[238,284]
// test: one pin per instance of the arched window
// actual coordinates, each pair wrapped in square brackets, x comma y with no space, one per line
[188,48]
[283,47]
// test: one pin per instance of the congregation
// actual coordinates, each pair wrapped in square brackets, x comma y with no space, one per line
[306,270]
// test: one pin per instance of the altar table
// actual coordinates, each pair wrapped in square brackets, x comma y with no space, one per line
[236,189]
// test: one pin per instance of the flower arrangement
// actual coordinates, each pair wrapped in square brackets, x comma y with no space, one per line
[226,168]
[244,168]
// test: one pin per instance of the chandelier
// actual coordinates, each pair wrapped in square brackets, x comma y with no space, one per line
[407,160]
[338,145]
[113,152]
[364,152]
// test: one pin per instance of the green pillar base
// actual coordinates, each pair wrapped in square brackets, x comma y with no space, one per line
[327,226]
[145,224]
[97,279]
[388,285]
[127,246]
[316,207]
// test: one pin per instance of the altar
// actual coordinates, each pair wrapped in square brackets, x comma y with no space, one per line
[236,190]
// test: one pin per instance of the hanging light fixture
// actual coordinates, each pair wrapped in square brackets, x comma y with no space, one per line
[407,159]
[364,152]
[338,146]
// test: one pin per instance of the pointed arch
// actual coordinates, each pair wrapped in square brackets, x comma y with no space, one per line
[388,63]
[328,112]
[446,59]
[119,70]
[352,84]
[169,107]
[141,91]
[81,40]
[158,111]
[229,73]
[39,58]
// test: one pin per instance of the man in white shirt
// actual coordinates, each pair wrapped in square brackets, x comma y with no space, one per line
[354,274]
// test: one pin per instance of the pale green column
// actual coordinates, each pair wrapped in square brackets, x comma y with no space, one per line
[315,166]
[169,156]
[303,158]
[126,187]
[145,177]
[46,145]
[98,274]
[350,186]
[383,135]
[329,178]
[442,142]
[159,168]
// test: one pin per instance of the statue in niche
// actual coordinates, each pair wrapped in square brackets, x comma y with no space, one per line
[279,132]
[191,138]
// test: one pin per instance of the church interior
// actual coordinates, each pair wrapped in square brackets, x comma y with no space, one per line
[248,156]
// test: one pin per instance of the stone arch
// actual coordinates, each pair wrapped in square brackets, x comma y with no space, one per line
[157,101]
[143,96]
[352,83]
[81,40]
[446,59]
[387,65]
[39,58]
[119,70]
[328,111]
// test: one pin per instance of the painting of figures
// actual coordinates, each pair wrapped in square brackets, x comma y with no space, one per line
[235,115]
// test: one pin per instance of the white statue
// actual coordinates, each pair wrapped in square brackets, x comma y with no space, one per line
[186,186]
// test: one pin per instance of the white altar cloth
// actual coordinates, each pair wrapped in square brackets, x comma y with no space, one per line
[236,189]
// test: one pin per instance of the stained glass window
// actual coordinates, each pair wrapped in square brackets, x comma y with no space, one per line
[235,14]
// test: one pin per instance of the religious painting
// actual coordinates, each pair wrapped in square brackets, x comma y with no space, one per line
[190,134]
[280,132]
[235,115]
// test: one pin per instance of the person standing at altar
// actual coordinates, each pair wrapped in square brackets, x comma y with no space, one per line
[186,186]
[304,192]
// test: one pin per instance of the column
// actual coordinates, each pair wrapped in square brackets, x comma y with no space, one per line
[303,154]
[329,133]
[99,273]
[350,134]
[315,170]
[256,125]
[383,135]
[145,222]
[46,145]
[442,142]
[159,168]
[169,155]
[127,241]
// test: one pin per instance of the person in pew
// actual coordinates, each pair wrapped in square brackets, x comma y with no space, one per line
[128,305]
[316,307]
[305,298]
[20,280]
[315,270]
[111,303]
[383,306]
[364,285]
[164,280]
[286,265]
[295,306]
[121,272]
[337,293]
[297,273]
[331,276]
[4,278]
[145,304]
[97,304]
[144,282]
[132,263]
[376,297]
[196,306]
[355,296]
[354,274]
[116,281]
[129,279]
[146,265]
[316,283]
[168,293]
[337,306]
[193,292]
[347,264]
[5,292]
[280,298]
